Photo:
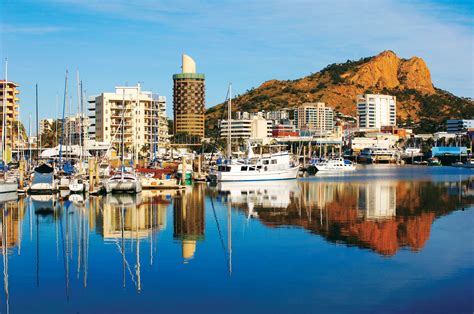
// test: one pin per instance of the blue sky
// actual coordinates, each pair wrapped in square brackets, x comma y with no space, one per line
[244,42]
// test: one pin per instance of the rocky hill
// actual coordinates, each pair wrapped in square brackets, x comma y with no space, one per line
[419,103]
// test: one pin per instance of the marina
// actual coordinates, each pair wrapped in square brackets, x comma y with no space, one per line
[230,157]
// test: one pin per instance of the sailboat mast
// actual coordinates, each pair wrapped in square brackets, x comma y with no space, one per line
[4,110]
[123,126]
[229,123]
[62,121]
[38,137]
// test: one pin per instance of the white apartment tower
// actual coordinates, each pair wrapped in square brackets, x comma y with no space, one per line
[315,117]
[145,126]
[376,111]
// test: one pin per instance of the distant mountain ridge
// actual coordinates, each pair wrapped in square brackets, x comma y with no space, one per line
[419,103]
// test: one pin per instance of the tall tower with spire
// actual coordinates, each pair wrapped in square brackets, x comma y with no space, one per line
[189,99]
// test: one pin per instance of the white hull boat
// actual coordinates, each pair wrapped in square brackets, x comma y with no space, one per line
[43,181]
[124,182]
[335,165]
[272,167]
[8,186]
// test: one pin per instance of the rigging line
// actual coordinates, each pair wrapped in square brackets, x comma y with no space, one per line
[126,263]
[219,231]
[62,247]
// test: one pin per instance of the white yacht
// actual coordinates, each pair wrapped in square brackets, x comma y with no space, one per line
[335,165]
[271,167]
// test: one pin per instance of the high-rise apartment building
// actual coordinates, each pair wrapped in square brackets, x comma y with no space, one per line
[376,111]
[315,117]
[189,99]
[76,130]
[9,99]
[142,115]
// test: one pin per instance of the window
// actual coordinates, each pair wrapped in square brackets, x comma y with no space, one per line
[274,161]
[266,162]
[244,168]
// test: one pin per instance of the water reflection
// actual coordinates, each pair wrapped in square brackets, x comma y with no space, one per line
[118,235]
[381,215]
[189,221]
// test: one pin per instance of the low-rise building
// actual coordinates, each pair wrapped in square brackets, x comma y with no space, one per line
[254,128]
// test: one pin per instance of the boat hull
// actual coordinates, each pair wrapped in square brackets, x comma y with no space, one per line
[8,187]
[124,186]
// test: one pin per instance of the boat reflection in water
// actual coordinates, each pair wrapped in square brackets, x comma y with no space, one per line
[380,215]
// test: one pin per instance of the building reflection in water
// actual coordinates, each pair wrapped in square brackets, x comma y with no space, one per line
[12,215]
[189,219]
[379,215]
[131,218]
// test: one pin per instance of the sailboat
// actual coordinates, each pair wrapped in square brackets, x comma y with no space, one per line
[124,180]
[7,185]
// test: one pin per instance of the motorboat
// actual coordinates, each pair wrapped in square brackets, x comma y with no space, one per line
[78,185]
[43,180]
[457,164]
[125,180]
[276,166]
[336,165]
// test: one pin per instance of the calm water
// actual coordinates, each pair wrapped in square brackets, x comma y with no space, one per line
[383,239]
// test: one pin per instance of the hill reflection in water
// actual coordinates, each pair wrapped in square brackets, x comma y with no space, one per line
[381,215]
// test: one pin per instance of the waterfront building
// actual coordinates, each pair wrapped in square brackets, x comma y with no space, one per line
[91,116]
[9,95]
[315,118]
[376,111]
[459,126]
[144,118]
[256,127]
[189,99]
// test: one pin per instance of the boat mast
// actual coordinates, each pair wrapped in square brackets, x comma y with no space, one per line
[4,106]
[229,122]
[38,137]
[122,140]
[62,121]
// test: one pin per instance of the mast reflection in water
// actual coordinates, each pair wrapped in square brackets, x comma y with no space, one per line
[383,241]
